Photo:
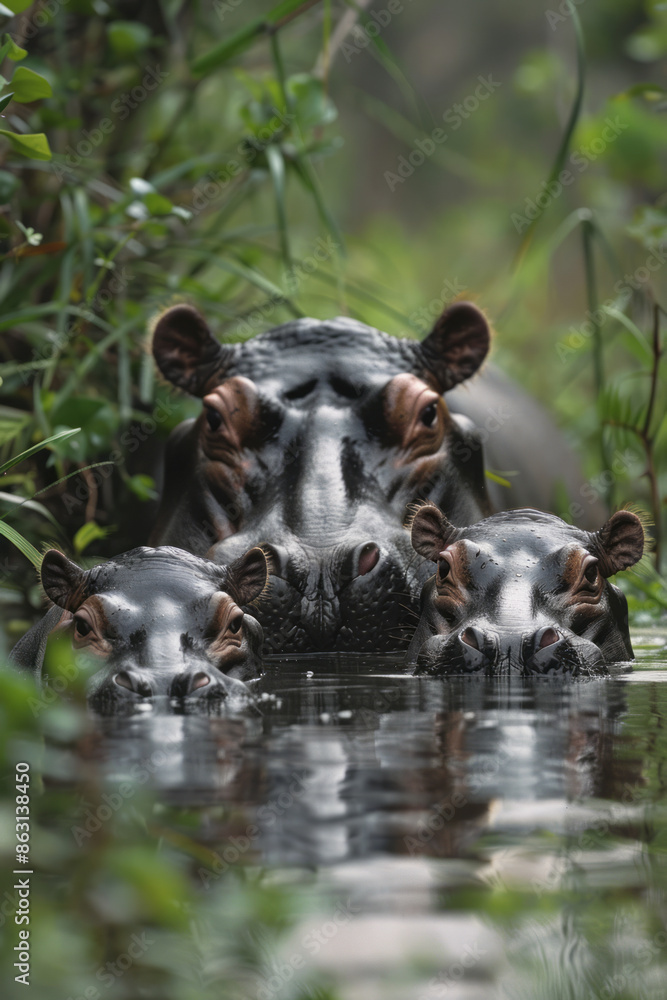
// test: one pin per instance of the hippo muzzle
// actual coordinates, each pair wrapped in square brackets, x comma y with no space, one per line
[547,651]
[360,595]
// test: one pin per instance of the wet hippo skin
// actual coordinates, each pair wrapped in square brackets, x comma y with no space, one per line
[523,591]
[313,439]
[157,621]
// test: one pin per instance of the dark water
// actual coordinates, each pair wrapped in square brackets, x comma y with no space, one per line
[466,838]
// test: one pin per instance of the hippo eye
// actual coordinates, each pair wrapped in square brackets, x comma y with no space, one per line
[82,626]
[591,572]
[429,414]
[213,418]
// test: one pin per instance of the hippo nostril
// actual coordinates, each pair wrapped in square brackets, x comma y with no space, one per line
[546,637]
[200,680]
[369,555]
[470,637]
[132,683]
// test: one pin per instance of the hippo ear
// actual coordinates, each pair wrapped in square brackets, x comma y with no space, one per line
[63,581]
[187,353]
[247,577]
[431,532]
[619,543]
[456,346]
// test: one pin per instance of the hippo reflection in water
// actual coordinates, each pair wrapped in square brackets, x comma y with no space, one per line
[158,621]
[523,591]
[313,440]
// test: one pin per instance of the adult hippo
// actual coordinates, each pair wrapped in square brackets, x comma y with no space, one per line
[157,621]
[523,591]
[313,440]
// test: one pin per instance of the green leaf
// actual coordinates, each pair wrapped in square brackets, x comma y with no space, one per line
[5,11]
[143,487]
[128,37]
[14,51]
[649,91]
[62,436]
[18,6]
[34,145]
[5,99]
[157,204]
[310,102]
[30,86]
[90,532]
[21,543]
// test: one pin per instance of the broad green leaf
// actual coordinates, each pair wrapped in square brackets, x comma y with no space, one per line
[143,487]
[35,145]
[128,37]
[21,543]
[14,51]
[62,436]
[90,532]
[157,204]
[18,6]
[30,86]
[310,102]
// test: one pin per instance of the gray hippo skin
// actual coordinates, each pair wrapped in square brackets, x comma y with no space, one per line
[157,621]
[525,592]
[313,439]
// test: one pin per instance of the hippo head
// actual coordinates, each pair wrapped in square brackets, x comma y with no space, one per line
[523,591]
[162,622]
[313,439]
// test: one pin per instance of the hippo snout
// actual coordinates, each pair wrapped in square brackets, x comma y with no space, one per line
[547,650]
[198,683]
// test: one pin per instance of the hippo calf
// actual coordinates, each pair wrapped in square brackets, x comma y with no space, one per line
[158,621]
[523,591]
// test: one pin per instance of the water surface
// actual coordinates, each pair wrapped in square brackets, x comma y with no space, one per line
[467,838]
